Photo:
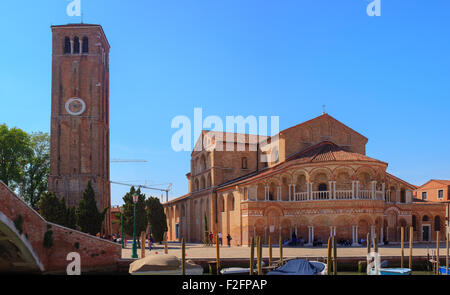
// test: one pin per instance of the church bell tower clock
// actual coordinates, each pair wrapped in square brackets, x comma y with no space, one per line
[80,115]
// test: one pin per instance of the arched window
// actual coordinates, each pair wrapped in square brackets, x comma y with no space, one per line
[85,45]
[323,187]
[222,204]
[244,163]
[67,45]
[196,185]
[232,204]
[76,45]
[414,222]
[204,164]
[425,218]
[402,196]
[437,223]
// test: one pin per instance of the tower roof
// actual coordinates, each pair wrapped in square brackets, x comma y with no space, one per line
[81,26]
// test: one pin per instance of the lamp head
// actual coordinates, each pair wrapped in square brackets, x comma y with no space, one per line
[135,199]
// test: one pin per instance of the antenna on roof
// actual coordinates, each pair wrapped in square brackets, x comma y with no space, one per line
[324,109]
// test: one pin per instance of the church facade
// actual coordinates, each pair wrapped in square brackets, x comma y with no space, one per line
[321,182]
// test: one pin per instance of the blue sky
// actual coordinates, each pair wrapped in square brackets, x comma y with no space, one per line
[386,77]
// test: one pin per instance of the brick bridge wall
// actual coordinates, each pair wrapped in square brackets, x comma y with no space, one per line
[95,253]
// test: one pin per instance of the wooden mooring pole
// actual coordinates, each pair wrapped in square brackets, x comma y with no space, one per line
[368,250]
[252,255]
[270,250]
[281,250]
[437,252]
[402,241]
[183,257]
[259,256]
[411,236]
[446,254]
[375,243]
[166,246]
[334,255]
[142,244]
[329,262]
[217,255]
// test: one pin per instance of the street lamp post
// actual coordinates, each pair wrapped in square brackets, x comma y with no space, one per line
[121,229]
[134,254]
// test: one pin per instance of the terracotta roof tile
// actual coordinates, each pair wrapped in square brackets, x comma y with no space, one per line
[328,151]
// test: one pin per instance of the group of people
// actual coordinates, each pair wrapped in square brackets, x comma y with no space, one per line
[212,241]
[116,238]
[296,241]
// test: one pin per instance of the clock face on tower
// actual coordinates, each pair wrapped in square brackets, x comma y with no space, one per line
[75,106]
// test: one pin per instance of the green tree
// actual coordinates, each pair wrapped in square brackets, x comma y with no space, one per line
[52,208]
[15,149]
[55,210]
[128,212]
[37,169]
[156,218]
[71,219]
[88,218]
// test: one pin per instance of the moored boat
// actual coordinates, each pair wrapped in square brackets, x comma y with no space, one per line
[301,267]
[392,271]
[443,270]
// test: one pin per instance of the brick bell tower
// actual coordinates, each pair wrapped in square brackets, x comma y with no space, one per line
[80,115]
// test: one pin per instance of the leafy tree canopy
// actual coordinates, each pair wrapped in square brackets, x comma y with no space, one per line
[15,149]
[128,212]
[37,169]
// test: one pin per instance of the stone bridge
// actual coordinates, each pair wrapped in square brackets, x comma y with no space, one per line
[22,244]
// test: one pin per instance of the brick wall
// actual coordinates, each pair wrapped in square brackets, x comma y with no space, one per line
[95,253]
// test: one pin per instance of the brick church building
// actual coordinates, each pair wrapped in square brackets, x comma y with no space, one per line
[321,182]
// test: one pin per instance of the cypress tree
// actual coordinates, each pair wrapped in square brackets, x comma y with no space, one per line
[156,218]
[52,208]
[88,218]
[71,219]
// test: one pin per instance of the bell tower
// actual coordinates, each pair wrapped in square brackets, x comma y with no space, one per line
[80,115]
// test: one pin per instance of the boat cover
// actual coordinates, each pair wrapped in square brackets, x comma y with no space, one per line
[298,267]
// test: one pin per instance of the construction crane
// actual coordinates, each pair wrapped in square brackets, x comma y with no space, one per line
[148,187]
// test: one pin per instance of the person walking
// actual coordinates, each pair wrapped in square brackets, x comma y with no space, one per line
[211,238]
[150,242]
[220,238]
[229,240]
